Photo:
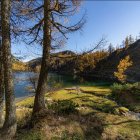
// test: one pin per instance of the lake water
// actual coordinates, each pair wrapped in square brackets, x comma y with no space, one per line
[22,82]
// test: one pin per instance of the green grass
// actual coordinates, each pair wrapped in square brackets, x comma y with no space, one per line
[28,102]
[93,97]
[96,118]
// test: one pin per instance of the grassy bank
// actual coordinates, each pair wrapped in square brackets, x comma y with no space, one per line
[85,115]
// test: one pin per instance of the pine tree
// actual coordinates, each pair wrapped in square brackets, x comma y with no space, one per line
[131,40]
[126,43]
[110,48]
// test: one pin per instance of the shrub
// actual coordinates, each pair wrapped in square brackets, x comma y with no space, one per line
[117,88]
[127,95]
[63,107]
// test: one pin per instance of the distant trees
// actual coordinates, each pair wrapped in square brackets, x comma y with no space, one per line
[87,62]
[111,48]
[128,41]
[9,127]
[122,67]
[131,39]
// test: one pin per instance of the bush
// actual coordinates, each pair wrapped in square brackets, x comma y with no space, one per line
[127,95]
[120,87]
[63,107]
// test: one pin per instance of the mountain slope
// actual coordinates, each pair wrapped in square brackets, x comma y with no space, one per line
[18,65]
[106,68]
[56,60]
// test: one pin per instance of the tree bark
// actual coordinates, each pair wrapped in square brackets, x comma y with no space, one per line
[1,86]
[1,77]
[39,103]
[9,127]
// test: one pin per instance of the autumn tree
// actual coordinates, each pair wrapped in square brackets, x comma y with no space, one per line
[9,127]
[122,67]
[47,23]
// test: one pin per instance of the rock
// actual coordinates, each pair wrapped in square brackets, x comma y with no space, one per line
[133,115]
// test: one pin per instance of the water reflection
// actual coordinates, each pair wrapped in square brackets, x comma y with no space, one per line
[23,84]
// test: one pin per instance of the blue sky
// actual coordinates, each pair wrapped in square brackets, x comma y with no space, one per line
[113,19]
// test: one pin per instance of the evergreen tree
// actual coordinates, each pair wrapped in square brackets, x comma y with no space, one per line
[110,48]
[131,40]
[126,43]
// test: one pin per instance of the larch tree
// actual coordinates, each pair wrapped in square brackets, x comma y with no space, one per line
[9,127]
[54,13]
[122,67]
[49,27]
[14,25]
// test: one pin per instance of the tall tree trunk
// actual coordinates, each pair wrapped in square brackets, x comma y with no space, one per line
[9,127]
[1,76]
[1,86]
[39,103]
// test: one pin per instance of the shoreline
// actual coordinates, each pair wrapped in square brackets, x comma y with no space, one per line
[18,99]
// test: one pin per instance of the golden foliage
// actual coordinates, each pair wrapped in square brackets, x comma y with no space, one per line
[88,62]
[122,67]
[19,66]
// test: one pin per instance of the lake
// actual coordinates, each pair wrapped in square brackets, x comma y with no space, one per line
[22,82]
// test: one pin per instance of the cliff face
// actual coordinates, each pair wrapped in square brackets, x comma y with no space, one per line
[106,67]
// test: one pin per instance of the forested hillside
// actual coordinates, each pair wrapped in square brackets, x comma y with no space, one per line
[99,64]
[18,65]
[106,68]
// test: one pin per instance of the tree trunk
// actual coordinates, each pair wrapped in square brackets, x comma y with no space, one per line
[9,127]
[1,86]
[39,103]
[1,77]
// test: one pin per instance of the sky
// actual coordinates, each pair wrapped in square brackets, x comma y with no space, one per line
[112,19]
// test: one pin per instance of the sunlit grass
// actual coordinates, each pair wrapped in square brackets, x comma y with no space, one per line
[96,119]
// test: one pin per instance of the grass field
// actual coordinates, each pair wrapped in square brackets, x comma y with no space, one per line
[95,119]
